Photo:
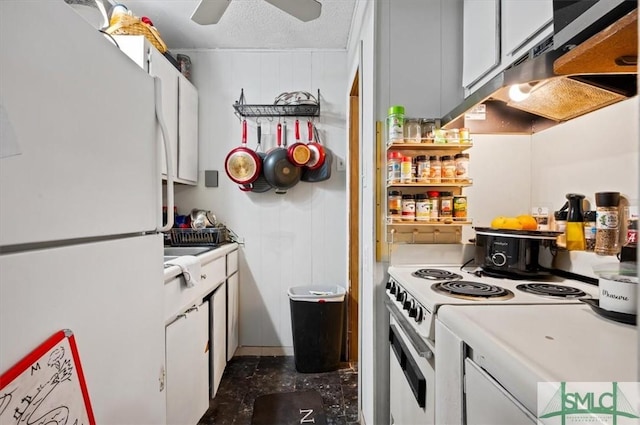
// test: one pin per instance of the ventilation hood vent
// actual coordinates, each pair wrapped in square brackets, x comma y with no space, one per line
[560,85]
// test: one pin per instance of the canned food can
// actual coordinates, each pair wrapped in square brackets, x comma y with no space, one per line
[460,206]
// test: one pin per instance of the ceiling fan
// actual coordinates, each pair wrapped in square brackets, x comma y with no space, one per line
[210,11]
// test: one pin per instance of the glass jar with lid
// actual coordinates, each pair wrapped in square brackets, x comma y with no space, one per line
[394,205]
[462,166]
[435,169]
[446,205]
[423,207]
[412,130]
[607,223]
[434,201]
[448,169]
[408,207]
[422,169]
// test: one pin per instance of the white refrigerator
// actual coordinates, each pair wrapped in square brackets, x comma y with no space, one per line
[81,194]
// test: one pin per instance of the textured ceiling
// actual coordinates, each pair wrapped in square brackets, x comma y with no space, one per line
[248,24]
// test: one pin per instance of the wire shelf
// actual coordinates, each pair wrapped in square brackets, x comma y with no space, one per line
[276,110]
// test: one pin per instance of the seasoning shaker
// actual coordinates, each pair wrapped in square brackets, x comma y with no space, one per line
[607,223]
[589,230]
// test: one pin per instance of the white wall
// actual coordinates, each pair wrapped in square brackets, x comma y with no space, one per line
[294,239]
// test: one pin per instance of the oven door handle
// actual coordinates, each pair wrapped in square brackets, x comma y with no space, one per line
[418,343]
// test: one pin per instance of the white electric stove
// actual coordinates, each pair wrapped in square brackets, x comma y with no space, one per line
[419,290]
[415,292]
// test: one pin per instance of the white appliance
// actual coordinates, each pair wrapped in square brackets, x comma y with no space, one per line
[80,207]
[415,293]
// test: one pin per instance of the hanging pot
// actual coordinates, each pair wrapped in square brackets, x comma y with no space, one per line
[278,170]
[260,185]
[317,150]
[324,171]
[242,164]
[298,153]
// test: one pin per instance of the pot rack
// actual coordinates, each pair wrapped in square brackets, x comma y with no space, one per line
[243,110]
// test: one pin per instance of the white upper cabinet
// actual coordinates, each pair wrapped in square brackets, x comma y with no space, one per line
[481,39]
[179,106]
[187,130]
[499,32]
[525,23]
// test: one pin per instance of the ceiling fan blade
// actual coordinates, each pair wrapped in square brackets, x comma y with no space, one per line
[209,11]
[305,10]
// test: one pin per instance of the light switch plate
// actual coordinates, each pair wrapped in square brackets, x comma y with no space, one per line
[210,178]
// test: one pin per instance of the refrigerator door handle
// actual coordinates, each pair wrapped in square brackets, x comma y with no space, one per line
[167,149]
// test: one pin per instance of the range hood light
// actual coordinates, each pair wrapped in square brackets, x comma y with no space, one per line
[519,92]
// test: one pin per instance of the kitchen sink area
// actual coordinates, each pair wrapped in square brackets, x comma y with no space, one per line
[177,251]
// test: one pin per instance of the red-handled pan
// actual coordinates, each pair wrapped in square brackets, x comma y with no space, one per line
[242,164]
[278,170]
[317,150]
[298,153]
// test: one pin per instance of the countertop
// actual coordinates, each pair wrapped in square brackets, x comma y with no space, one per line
[521,345]
[206,257]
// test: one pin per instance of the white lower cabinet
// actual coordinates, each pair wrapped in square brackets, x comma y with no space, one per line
[187,352]
[218,329]
[233,307]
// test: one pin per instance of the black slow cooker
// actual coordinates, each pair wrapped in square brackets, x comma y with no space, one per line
[515,253]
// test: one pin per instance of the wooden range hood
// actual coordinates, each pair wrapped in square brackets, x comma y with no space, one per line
[563,85]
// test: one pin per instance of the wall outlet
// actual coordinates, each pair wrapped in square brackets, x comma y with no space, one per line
[340,164]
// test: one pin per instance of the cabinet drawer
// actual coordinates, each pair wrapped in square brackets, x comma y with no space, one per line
[178,297]
[232,262]
[212,274]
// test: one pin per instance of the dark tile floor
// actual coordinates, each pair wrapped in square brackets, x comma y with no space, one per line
[248,377]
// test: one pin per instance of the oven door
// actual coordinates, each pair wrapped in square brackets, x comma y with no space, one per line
[487,402]
[411,376]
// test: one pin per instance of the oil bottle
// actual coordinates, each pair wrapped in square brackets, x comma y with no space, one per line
[575,225]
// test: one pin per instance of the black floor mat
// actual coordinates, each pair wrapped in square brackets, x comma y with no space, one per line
[297,407]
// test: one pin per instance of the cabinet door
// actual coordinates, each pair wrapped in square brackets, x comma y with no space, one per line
[159,66]
[233,291]
[481,39]
[218,328]
[187,130]
[523,21]
[187,343]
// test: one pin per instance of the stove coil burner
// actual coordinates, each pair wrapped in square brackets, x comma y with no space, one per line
[436,274]
[470,290]
[551,290]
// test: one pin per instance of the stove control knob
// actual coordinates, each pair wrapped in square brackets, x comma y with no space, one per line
[393,288]
[408,305]
[499,259]
[401,295]
[389,284]
[419,315]
[413,311]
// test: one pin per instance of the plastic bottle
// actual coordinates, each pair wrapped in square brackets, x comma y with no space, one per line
[406,176]
[435,169]
[448,169]
[394,204]
[446,205]
[393,167]
[422,169]
[434,200]
[395,124]
[589,230]
[575,223]
[423,207]
[607,223]
[408,207]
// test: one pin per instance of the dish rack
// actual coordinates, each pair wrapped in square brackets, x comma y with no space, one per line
[210,236]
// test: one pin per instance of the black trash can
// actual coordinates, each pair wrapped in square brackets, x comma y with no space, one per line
[316,322]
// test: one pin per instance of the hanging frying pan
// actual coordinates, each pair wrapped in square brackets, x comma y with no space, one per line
[298,153]
[278,170]
[260,185]
[242,164]
[317,150]
[324,172]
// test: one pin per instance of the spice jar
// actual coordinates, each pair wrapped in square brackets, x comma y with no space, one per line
[607,223]
[422,169]
[435,169]
[406,175]
[395,124]
[428,129]
[446,205]
[434,201]
[448,169]
[394,204]
[408,207]
[462,166]
[460,207]
[412,130]
[589,230]
[423,207]
[393,167]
